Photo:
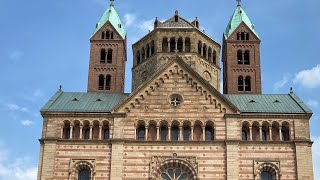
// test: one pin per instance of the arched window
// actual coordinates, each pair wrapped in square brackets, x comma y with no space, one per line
[176,18]
[141,132]
[164,132]
[148,50]
[102,56]
[285,132]
[248,84]
[102,35]
[244,135]
[165,45]
[106,133]
[197,130]
[84,174]
[86,134]
[101,82]
[109,56]
[174,133]
[143,54]
[240,57]
[67,133]
[172,44]
[138,57]
[187,45]
[210,54]
[152,132]
[246,57]
[240,84]
[265,175]
[180,45]
[214,57]
[111,35]
[242,36]
[152,48]
[108,35]
[186,133]
[238,36]
[204,51]
[108,82]
[209,133]
[264,135]
[199,47]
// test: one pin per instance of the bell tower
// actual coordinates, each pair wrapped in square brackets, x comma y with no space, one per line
[241,55]
[108,54]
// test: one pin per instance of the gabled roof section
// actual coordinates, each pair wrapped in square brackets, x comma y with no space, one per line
[267,103]
[111,15]
[237,18]
[77,102]
[175,22]
[188,69]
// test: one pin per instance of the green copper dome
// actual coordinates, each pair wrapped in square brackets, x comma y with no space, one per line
[237,18]
[111,16]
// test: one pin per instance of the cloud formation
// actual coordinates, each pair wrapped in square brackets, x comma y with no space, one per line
[16,54]
[129,19]
[281,83]
[309,78]
[313,103]
[26,122]
[15,107]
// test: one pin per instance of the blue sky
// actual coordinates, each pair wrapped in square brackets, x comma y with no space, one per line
[45,43]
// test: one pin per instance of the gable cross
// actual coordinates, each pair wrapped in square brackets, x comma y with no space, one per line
[239,2]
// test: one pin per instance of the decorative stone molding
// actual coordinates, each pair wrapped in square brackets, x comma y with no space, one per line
[159,164]
[77,165]
[272,167]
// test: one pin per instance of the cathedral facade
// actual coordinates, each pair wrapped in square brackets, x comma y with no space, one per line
[175,125]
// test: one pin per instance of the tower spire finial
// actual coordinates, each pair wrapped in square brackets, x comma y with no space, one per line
[239,2]
[111,2]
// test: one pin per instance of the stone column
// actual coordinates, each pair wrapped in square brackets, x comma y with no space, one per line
[135,132]
[71,131]
[169,45]
[260,132]
[180,134]
[145,53]
[202,49]
[61,132]
[100,132]
[250,131]
[184,45]
[270,133]
[158,133]
[81,128]
[280,133]
[150,50]
[90,136]
[176,43]
[207,53]
[169,133]
[203,133]
[146,133]
[232,160]
[192,133]
[116,170]
[211,57]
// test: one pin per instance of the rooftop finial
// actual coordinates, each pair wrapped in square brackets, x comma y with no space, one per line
[239,2]
[60,87]
[111,2]
[291,90]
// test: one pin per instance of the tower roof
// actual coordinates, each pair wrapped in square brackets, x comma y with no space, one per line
[237,18]
[111,15]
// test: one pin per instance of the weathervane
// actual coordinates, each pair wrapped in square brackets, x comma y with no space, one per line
[239,2]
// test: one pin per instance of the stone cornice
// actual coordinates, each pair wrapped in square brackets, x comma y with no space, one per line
[263,115]
[95,115]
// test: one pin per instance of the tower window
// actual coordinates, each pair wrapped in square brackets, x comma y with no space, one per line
[102,56]
[102,35]
[165,45]
[176,18]
[138,57]
[148,50]
[108,82]
[172,45]
[108,35]
[246,57]
[180,45]
[240,84]
[187,45]
[240,57]
[101,82]
[109,56]
[214,57]
[242,36]
[247,36]
[111,35]
[248,84]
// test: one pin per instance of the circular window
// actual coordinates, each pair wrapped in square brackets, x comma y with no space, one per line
[174,174]
[175,100]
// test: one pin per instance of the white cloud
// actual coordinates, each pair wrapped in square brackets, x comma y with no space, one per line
[280,84]
[309,78]
[129,19]
[16,168]
[26,122]
[313,103]
[146,25]
[15,107]
[316,157]
[15,54]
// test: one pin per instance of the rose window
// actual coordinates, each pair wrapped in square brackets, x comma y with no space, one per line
[174,174]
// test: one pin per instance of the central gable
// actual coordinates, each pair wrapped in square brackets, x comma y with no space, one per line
[176,79]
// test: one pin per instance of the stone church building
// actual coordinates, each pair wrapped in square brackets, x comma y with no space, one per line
[175,125]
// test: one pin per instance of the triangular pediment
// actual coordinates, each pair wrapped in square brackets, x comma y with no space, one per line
[243,27]
[176,77]
[172,23]
[107,26]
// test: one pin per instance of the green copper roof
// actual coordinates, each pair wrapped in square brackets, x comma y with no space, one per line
[284,103]
[237,18]
[83,102]
[111,16]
